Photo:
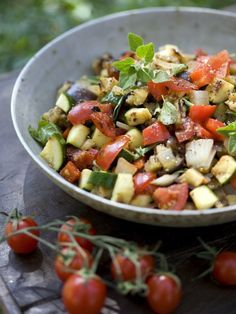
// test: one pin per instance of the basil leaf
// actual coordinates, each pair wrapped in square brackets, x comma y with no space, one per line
[140,151]
[146,52]
[34,134]
[124,64]
[228,129]
[111,98]
[134,41]
[160,76]
[144,75]
[45,131]
[118,107]
[168,114]
[127,80]
[178,68]
[232,144]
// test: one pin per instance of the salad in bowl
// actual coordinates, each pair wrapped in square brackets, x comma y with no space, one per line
[153,128]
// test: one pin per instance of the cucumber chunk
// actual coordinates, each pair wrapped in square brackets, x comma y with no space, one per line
[53,152]
[224,169]
[203,197]
[126,154]
[64,102]
[103,178]
[84,180]
[77,135]
[123,191]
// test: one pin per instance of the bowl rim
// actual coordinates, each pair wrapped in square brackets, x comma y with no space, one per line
[55,175]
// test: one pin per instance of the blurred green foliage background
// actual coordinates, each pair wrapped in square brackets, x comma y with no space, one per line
[26,25]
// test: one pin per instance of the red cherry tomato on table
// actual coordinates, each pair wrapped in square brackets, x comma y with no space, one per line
[84,295]
[71,260]
[21,243]
[126,270]
[77,225]
[172,197]
[164,293]
[224,268]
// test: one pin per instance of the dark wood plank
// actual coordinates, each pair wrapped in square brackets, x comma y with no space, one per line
[29,284]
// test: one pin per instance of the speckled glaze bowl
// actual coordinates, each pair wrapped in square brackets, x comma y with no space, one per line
[69,56]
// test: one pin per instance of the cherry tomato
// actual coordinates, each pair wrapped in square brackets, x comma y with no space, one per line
[172,197]
[224,268]
[185,131]
[164,293]
[83,159]
[71,259]
[127,270]
[109,152]
[83,111]
[157,132]
[142,180]
[21,243]
[72,225]
[84,295]
[201,113]
[104,123]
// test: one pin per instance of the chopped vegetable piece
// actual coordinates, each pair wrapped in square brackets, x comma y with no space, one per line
[185,131]
[203,197]
[123,166]
[155,133]
[172,197]
[142,180]
[70,172]
[109,152]
[224,169]
[124,188]
[212,125]
[104,123]
[102,178]
[201,113]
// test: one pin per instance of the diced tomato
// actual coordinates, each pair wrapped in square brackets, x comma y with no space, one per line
[233,182]
[142,180]
[202,132]
[201,113]
[83,158]
[70,172]
[109,152]
[157,132]
[208,67]
[186,131]
[212,125]
[172,197]
[176,84]
[83,111]
[66,132]
[104,123]
[139,164]
[157,89]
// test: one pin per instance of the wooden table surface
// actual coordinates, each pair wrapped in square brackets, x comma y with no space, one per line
[28,284]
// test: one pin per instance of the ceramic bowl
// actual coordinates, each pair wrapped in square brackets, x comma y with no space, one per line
[69,56]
